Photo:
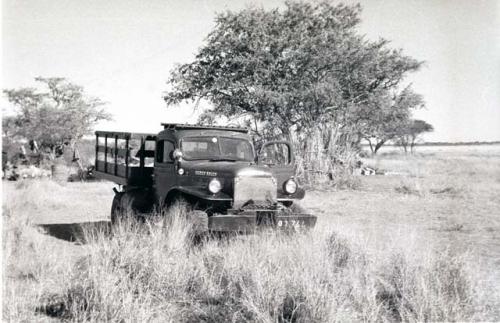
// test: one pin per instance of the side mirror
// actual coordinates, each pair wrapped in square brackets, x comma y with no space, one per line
[177,154]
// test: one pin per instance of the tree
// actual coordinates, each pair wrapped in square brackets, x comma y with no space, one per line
[303,73]
[410,133]
[58,114]
[385,117]
[294,70]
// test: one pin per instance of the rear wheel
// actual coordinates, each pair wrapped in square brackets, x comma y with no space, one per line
[117,207]
[132,203]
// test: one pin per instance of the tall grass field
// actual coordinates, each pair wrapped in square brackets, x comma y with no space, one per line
[421,243]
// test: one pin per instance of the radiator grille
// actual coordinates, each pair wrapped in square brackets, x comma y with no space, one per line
[261,190]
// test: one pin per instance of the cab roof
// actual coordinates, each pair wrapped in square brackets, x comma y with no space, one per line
[185,126]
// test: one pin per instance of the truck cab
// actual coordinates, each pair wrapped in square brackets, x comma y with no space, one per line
[216,170]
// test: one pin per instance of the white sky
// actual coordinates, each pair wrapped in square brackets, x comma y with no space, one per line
[122,52]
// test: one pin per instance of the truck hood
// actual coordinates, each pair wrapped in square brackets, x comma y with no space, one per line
[224,169]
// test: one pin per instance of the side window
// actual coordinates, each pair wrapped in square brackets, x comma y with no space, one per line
[164,151]
[168,150]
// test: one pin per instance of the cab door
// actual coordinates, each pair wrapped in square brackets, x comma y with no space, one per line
[164,174]
[278,156]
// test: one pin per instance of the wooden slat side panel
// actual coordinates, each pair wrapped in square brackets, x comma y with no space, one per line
[116,156]
[126,135]
[105,154]
[121,171]
[127,142]
[96,149]
[145,136]
[120,152]
[99,166]
[113,153]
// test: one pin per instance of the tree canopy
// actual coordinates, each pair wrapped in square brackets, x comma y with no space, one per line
[386,117]
[292,70]
[410,132]
[58,113]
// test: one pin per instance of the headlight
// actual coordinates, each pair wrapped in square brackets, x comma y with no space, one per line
[214,186]
[290,186]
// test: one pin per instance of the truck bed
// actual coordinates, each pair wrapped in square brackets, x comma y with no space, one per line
[125,158]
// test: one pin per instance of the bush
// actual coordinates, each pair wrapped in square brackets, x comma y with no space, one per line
[332,166]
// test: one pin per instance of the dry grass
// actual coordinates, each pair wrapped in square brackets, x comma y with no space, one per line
[376,255]
[146,272]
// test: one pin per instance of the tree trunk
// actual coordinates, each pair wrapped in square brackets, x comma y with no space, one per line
[412,144]
[371,146]
[378,146]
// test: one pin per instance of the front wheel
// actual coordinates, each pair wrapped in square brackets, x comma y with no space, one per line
[194,217]
[199,222]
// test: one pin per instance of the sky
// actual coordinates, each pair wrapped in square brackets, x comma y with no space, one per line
[122,51]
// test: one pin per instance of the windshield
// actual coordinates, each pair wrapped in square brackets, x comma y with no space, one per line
[217,148]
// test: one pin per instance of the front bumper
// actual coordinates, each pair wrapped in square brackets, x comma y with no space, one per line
[249,223]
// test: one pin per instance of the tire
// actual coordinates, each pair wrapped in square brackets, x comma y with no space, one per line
[297,208]
[132,203]
[199,221]
[123,206]
[197,218]
[116,208]
[180,201]
[294,207]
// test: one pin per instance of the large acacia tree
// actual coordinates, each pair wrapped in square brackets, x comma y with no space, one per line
[56,114]
[292,70]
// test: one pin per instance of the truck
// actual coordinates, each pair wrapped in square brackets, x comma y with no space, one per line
[214,169]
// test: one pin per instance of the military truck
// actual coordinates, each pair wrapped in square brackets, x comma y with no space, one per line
[215,170]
